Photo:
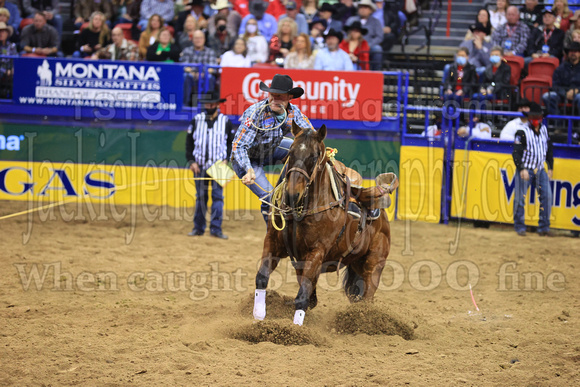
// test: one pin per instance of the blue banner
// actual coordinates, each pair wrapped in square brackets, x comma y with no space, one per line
[50,82]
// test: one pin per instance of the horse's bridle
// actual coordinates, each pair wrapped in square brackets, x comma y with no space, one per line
[299,212]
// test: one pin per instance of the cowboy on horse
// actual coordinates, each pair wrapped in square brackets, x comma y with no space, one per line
[260,139]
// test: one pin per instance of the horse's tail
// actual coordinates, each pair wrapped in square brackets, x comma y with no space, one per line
[354,285]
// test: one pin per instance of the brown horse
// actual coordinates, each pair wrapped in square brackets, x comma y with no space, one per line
[320,235]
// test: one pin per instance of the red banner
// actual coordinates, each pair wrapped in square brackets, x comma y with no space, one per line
[329,95]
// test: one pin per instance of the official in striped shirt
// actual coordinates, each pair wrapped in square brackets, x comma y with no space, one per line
[532,147]
[209,138]
[254,148]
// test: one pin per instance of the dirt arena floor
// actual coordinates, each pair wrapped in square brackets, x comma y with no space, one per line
[134,301]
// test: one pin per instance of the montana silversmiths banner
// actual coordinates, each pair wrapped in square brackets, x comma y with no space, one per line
[101,84]
[331,95]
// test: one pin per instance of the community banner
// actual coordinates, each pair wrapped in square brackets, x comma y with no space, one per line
[332,95]
[487,191]
[101,84]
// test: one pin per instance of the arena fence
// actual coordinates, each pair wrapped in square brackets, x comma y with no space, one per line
[442,177]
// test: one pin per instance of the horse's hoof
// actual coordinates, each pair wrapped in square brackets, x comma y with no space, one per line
[260,304]
[312,303]
[299,317]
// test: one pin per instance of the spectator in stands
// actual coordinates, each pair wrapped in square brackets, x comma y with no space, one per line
[462,79]
[4,17]
[39,38]
[198,54]
[195,9]
[375,35]
[125,11]
[482,18]
[224,8]
[236,57]
[94,37]
[300,56]
[332,58]
[326,12]
[390,23]
[479,47]
[48,7]
[317,28]
[221,41]
[563,14]
[150,35]
[13,13]
[257,44]
[292,13]
[186,35]
[164,49]
[533,148]
[281,42]
[498,15]
[6,65]
[531,13]
[496,78]
[356,46]
[574,26]
[436,121]
[85,8]
[121,48]
[512,36]
[163,8]
[267,24]
[480,129]
[309,9]
[565,82]
[346,9]
[546,40]
[508,133]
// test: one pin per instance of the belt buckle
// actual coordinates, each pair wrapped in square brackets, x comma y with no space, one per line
[535,170]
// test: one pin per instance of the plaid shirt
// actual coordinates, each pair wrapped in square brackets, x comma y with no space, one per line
[519,37]
[165,9]
[205,56]
[259,145]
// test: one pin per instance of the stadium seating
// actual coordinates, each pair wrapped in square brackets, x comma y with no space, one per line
[543,66]
[517,65]
[533,87]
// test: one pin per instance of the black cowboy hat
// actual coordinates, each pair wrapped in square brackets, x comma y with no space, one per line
[333,32]
[535,110]
[211,98]
[478,27]
[327,7]
[357,25]
[316,20]
[575,46]
[195,2]
[282,84]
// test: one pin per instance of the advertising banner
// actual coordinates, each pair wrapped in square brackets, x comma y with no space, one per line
[488,192]
[332,95]
[101,84]
[421,170]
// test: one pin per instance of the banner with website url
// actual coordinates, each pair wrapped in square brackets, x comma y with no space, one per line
[50,82]
[487,191]
[332,95]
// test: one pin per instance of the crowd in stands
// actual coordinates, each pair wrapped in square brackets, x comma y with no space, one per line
[312,34]
[511,53]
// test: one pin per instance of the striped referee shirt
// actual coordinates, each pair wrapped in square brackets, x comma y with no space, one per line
[259,145]
[532,148]
[209,140]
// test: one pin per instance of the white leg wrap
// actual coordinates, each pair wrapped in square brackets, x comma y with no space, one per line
[260,304]
[299,317]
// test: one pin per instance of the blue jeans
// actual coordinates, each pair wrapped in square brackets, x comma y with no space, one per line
[552,99]
[541,183]
[217,205]
[279,154]
[376,58]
